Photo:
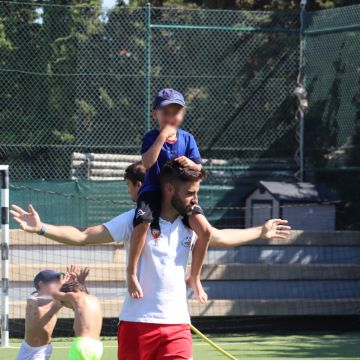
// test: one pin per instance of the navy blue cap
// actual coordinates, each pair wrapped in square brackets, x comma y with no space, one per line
[166,97]
[46,276]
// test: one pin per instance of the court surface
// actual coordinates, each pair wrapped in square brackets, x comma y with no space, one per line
[254,346]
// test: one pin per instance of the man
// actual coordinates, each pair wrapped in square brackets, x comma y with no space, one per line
[157,326]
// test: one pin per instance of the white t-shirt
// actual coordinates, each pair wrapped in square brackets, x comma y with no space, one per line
[161,271]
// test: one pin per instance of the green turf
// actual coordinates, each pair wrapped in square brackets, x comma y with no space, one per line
[256,347]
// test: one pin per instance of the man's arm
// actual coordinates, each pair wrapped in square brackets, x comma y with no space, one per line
[69,235]
[272,229]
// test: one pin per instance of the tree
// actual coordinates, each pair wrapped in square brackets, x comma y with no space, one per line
[247,4]
[21,98]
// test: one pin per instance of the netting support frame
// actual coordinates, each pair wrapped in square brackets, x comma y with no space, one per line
[4,176]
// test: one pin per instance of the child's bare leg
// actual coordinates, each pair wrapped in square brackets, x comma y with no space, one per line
[202,228]
[137,243]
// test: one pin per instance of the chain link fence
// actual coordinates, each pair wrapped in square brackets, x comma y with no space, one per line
[75,80]
[76,87]
[332,77]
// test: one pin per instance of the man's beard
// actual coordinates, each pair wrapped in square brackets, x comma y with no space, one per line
[183,209]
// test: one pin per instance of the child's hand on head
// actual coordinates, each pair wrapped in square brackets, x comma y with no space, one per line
[169,131]
[187,163]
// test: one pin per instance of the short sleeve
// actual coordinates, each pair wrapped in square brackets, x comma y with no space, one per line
[147,141]
[121,226]
[193,151]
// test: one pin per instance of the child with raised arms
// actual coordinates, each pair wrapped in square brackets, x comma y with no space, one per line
[87,320]
[41,312]
[160,145]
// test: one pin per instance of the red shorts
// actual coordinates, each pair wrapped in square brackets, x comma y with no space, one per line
[145,341]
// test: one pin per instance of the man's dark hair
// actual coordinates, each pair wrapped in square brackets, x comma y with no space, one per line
[173,172]
[73,286]
[135,172]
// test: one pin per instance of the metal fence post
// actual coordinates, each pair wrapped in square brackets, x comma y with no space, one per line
[4,177]
[147,67]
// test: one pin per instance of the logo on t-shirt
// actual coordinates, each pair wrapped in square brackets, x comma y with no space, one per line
[186,241]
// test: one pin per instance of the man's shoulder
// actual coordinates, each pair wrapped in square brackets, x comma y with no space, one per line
[120,227]
[124,218]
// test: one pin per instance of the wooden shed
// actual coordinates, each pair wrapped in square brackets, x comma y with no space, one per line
[305,205]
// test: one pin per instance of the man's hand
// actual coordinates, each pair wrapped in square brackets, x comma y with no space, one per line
[187,163]
[168,132]
[275,229]
[28,221]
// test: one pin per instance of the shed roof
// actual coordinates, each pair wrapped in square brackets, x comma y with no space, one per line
[298,192]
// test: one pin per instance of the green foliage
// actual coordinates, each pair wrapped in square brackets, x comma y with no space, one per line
[64,137]
[271,5]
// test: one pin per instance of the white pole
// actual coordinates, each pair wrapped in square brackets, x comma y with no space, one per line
[4,178]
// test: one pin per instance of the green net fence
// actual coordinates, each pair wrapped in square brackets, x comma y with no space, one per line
[76,80]
[332,76]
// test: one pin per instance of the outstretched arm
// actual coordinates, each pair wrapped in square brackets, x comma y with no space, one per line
[30,222]
[272,229]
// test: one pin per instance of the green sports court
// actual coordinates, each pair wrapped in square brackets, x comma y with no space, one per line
[252,346]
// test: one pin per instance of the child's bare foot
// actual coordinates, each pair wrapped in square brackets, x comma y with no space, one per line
[134,287]
[199,291]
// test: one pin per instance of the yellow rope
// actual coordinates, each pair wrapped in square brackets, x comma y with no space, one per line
[211,343]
